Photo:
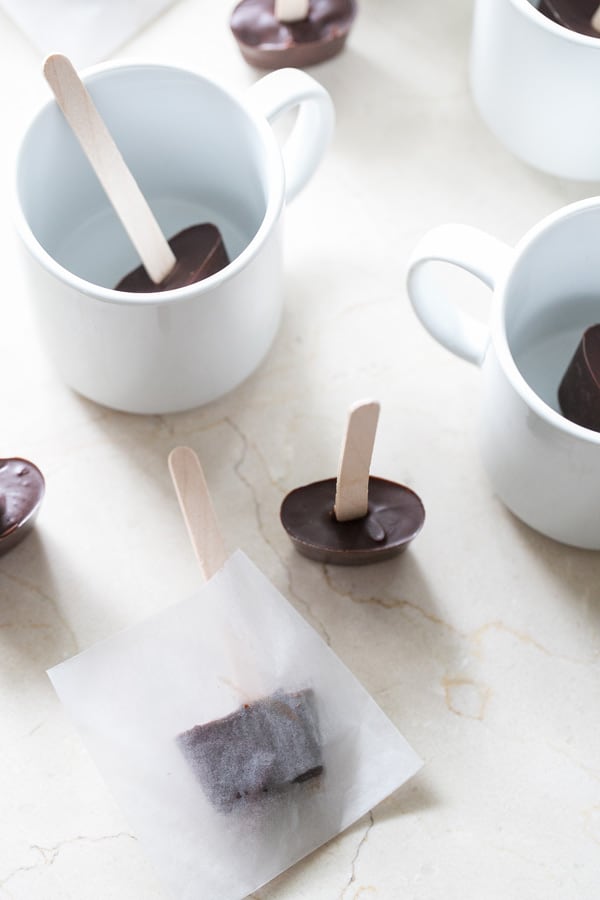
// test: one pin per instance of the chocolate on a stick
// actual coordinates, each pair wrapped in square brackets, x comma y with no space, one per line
[582,16]
[355,518]
[270,37]
[579,390]
[193,254]
[21,492]
[268,745]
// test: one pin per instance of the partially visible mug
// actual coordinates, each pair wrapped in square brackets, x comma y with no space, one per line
[535,84]
[199,154]
[546,292]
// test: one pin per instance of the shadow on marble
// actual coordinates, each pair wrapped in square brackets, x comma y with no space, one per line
[32,622]
[416,796]
[395,583]
[575,569]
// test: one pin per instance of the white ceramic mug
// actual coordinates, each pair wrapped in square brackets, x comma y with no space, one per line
[199,154]
[546,291]
[535,84]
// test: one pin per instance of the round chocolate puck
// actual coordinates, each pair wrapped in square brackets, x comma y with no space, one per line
[267,43]
[395,516]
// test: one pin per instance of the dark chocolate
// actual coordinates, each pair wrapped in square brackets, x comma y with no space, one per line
[21,492]
[579,391]
[200,252]
[576,15]
[262,748]
[395,516]
[267,43]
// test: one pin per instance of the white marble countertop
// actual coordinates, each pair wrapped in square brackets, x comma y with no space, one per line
[481,642]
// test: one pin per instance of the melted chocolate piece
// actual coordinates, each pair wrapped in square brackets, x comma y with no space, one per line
[576,15]
[266,42]
[395,516]
[21,492]
[200,252]
[262,748]
[579,391]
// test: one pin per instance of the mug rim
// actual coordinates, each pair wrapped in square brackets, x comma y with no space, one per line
[274,204]
[498,323]
[526,8]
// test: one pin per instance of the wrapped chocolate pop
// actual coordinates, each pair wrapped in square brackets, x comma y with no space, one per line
[233,737]
[191,255]
[355,518]
[276,33]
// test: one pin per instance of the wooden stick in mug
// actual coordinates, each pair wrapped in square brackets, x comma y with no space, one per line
[105,158]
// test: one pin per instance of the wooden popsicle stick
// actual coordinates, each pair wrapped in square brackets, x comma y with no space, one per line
[595,20]
[105,158]
[352,485]
[198,512]
[291,10]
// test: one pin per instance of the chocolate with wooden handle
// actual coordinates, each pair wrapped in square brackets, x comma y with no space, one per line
[268,745]
[191,255]
[355,518]
[294,33]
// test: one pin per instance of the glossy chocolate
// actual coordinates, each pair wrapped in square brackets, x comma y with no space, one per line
[395,516]
[579,391]
[576,15]
[200,252]
[21,492]
[266,42]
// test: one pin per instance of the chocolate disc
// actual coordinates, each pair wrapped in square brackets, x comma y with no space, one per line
[200,252]
[579,391]
[21,492]
[576,15]
[266,42]
[395,516]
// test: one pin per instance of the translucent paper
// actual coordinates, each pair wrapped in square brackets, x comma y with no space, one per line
[236,642]
[86,31]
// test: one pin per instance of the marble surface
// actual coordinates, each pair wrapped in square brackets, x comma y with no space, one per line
[481,642]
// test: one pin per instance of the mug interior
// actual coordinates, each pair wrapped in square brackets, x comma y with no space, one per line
[558,27]
[195,153]
[551,296]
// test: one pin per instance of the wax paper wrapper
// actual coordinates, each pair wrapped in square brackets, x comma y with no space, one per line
[237,647]
[86,30]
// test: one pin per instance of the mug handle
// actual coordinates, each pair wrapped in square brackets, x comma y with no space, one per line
[303,150]
[468,248]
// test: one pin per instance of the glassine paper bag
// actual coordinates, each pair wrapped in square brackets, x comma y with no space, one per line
[234,739]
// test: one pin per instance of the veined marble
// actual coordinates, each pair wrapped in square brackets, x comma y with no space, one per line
[481,643]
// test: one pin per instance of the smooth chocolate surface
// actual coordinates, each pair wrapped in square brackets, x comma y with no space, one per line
[21,492]
[576,15]
[266,42]
[579,391]
[200,252]
[395,516]
[262,748]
